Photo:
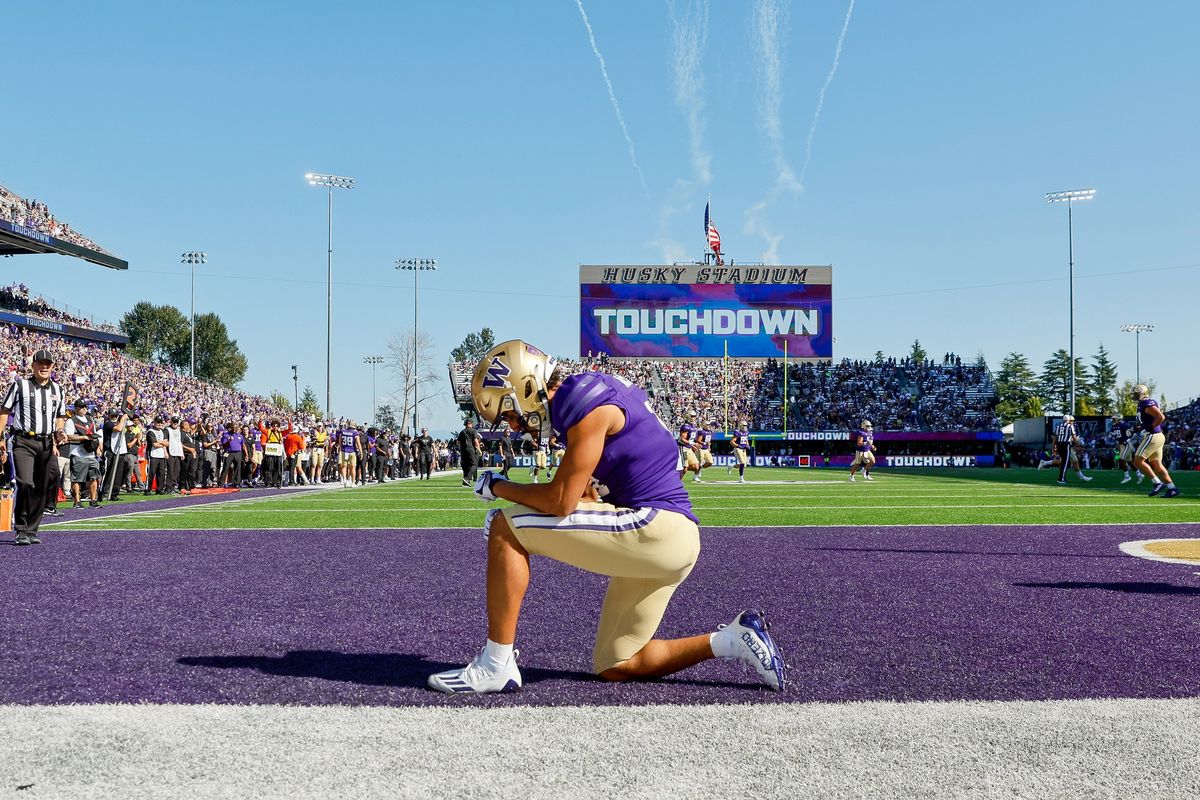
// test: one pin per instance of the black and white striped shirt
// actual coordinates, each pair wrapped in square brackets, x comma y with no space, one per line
[34,408]
[1066,433]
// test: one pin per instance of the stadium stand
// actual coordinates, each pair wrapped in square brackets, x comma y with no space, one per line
[895,395]
[37,216]
[16,297]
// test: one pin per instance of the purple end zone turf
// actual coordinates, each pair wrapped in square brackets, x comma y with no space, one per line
[362,617]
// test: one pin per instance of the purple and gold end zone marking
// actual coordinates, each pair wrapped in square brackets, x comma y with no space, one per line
[362,617]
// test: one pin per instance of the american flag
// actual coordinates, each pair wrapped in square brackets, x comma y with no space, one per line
[710,231]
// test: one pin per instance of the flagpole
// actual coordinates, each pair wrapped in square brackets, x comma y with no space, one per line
[725,380]
[785,392]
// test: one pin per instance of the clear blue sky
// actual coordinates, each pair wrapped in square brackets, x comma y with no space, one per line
[482,134]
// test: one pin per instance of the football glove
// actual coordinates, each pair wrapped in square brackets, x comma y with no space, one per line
[483,486]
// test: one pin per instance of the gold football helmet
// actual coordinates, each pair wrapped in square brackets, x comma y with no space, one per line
[512,377]
[866,424]
[1140,392]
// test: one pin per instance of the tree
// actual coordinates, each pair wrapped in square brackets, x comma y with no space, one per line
[474,347]
[410,372]
[156,333]
[1033,407]
[981,360]
[309,404]
[879,359]
[218,357]
[1054,384]
[1104,382]
[385,417]
[280,401]
[1016,385]
[918,354]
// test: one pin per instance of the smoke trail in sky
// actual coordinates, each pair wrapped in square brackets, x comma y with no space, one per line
[688,40]
[613,98]
[689,36]
[837,56]
[769,22]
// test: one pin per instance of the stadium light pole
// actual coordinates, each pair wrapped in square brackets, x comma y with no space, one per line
[416,265]
[1137,330]
[192,258]
[330,182]
[373,361]
[296,385]
[1071,196]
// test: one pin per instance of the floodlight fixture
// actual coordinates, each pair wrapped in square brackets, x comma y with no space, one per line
[1069,197]
[415,266]
[1137,329]
[329,182]
[192,258]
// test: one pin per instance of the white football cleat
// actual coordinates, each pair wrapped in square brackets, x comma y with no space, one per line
[741,480]
[868,478]
[1127,478]
[1084,478]
[751,644]
[475,678]
[852,479]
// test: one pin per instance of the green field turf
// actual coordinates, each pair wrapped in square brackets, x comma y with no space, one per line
[774,497]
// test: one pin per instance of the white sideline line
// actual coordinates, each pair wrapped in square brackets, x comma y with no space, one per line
[1148,503]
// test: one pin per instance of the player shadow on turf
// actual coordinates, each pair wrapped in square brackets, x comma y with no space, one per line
[371,669]
[1129,587]
[924,551]
[400,669]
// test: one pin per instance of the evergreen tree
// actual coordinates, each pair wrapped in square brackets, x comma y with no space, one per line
[280,400]
[474,347]
[309,404]
[1104,382]
[1016,384]
[1054,384]
[918,354]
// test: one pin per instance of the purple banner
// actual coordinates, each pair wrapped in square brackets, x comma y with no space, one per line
[698,320]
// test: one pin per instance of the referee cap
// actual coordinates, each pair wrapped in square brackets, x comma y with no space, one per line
[1068,418]
[43,355]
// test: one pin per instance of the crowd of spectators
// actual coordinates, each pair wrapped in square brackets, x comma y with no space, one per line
[894,394]
[36,216]
[16,297]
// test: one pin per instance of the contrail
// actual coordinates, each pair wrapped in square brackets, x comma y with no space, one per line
[613,97]
[837,56]
[689,38]
[768,21]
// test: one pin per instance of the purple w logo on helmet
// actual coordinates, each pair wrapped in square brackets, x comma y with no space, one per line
[496,373]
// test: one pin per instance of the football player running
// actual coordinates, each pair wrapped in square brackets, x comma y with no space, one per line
[687,447]
[741,449]
[864,451]
[1147,458]
[615,507]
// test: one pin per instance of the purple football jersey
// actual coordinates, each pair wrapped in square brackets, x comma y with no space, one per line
[1144,415]
[638,467]
[867,440]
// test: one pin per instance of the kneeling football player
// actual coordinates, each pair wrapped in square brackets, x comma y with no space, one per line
[615,507]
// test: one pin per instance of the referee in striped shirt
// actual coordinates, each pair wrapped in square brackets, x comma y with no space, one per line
[1066,438]
[38,412]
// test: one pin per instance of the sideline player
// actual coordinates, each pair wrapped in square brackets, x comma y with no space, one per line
[741,450]
[556,455]
[349,453]
[864,451]
[703,449]
[539,456]
[687,447]
[615,507]
[1148,456]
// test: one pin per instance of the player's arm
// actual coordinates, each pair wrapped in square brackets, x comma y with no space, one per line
[1156,415]
[562,495]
